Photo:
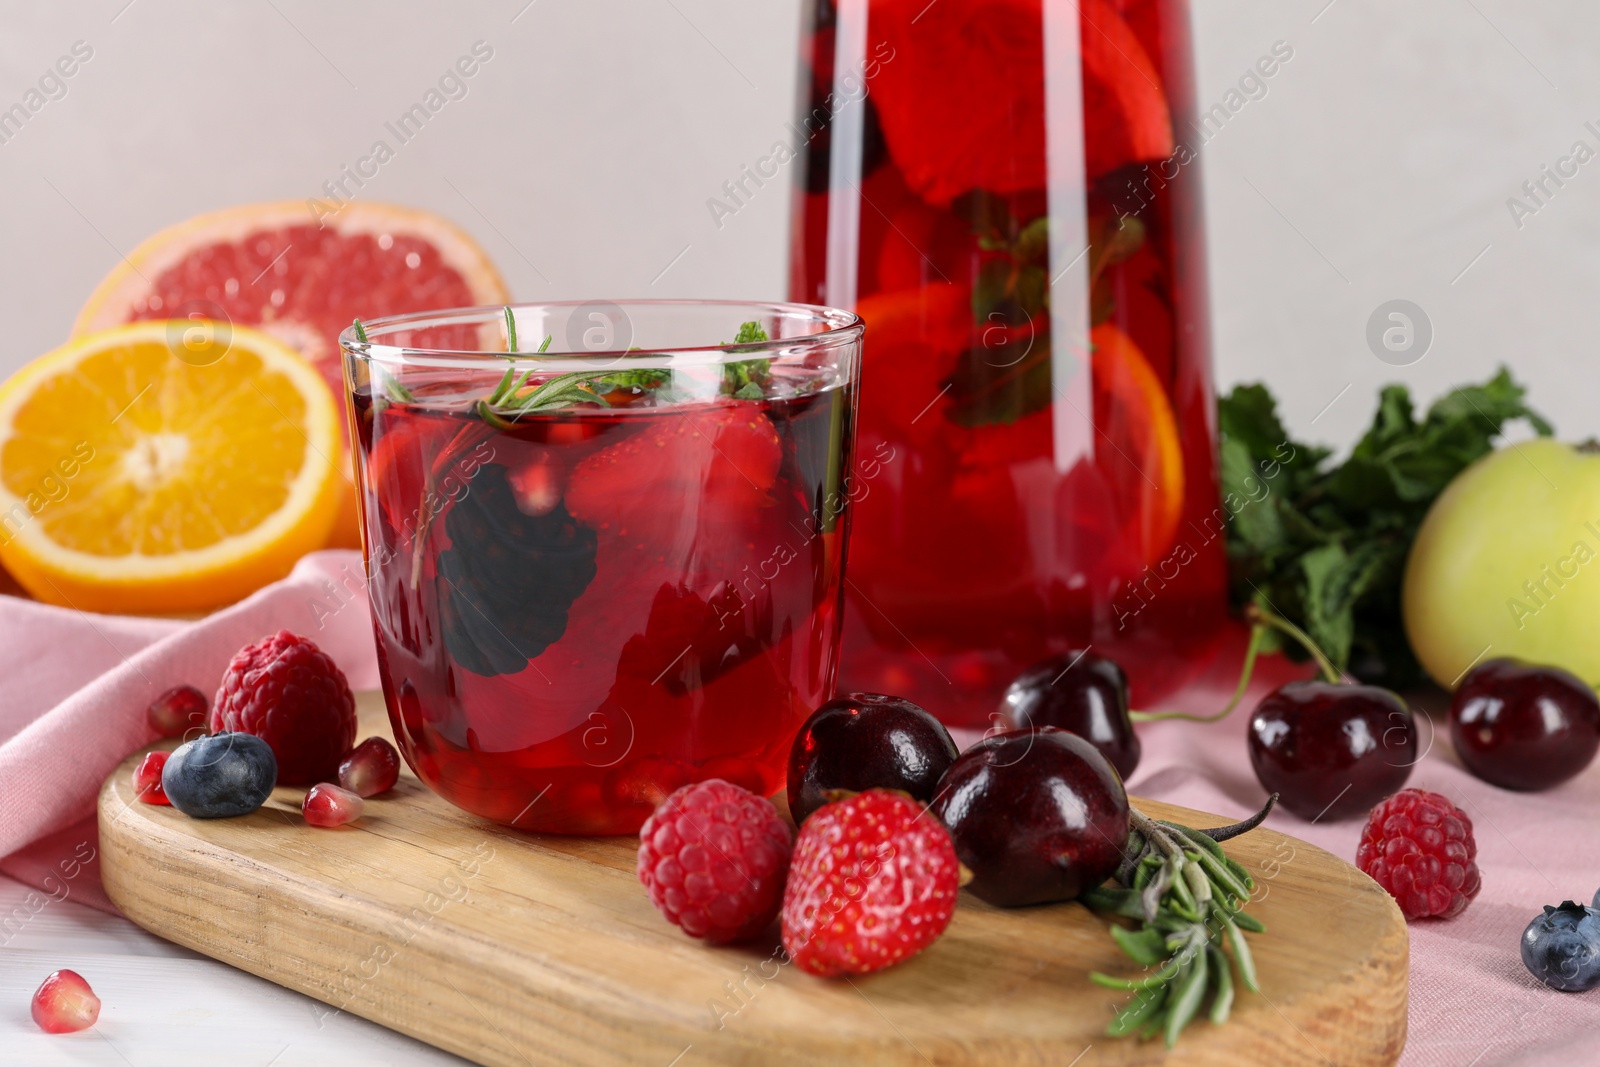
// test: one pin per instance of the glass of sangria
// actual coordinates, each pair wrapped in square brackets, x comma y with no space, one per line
[604,545]
[1007,192]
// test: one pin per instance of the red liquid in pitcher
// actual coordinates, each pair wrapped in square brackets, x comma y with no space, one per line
[583,612]
[1015,163]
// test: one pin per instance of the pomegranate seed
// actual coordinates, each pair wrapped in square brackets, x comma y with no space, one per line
[64,1003]
[147,778]
[329,805]
[178,710]
[372,767]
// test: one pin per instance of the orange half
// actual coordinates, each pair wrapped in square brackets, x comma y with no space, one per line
[164,466]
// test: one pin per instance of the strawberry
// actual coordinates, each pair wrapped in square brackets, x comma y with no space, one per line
[873,881]
[963,101]
[714,463]
[682,499]
[399,460]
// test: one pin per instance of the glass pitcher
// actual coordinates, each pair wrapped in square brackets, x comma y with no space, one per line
[1008,192]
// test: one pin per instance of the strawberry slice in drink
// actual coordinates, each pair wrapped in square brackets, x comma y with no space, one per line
[963,101]
[689,469]
[679,508]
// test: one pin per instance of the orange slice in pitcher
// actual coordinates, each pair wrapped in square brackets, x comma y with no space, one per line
[1138,449]
[164,467]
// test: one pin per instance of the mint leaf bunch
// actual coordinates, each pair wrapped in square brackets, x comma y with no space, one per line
[1008,375]
[748,379]
[640,380]
[1325,544]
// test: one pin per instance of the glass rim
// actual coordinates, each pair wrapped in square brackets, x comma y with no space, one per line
[839,328]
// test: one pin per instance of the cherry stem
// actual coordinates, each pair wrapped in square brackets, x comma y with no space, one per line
[1258,633]
[1258,614]
[1261,620]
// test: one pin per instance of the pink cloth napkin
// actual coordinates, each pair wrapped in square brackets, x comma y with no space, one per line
[77,686]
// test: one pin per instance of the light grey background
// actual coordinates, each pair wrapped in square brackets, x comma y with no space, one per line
[1377,167]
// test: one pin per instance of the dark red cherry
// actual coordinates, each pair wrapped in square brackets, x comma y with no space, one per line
[1036,814]
[867,741]
[1519,726]
[1081,692]
[1332,751]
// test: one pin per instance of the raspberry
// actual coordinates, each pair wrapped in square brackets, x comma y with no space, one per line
[64,1003]
[1419,847]
[873,881]
[713,858]
[286,691]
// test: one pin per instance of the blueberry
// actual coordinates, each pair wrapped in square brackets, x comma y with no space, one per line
[1561,948]
[220,776]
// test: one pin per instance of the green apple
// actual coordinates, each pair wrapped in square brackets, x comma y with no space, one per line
[1507,563]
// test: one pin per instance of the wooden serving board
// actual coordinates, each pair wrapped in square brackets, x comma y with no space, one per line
[514,949]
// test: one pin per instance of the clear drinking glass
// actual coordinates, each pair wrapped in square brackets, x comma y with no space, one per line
[609,563]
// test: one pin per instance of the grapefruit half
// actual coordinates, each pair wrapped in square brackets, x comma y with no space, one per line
[274,267]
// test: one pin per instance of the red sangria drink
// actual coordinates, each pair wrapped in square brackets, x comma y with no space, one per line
[1007,192]
[604,545]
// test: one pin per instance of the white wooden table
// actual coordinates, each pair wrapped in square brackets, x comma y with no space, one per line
[164,1006]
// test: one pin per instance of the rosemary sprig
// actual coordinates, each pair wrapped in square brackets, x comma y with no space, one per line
[392,389]
[506,405]
[517,396]
[1187,897]
[512,398]
[509,401]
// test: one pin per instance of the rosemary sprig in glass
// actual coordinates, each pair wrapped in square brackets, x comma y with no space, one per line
[392,389]
[518,395]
